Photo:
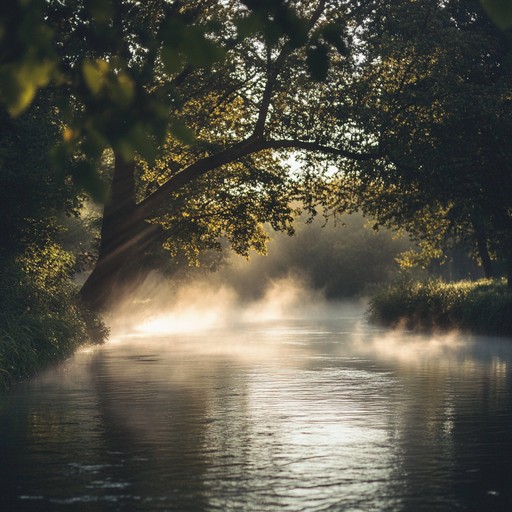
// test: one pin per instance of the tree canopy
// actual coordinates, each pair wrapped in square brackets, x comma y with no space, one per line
[435,83]
[219,117]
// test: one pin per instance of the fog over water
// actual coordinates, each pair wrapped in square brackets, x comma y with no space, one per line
[212,303]
[209,396]
[284,403]
[305,276]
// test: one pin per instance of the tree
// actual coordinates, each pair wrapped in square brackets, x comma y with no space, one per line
[435,91]
[199,103]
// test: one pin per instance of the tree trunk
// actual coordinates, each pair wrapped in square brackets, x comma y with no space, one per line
[483,253]
[124,238]
[509,271]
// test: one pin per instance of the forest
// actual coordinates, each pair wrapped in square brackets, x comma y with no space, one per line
[142,137]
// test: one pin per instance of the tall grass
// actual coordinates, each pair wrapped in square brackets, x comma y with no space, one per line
[480,307]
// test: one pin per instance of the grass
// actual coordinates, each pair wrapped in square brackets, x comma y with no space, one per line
[480,307]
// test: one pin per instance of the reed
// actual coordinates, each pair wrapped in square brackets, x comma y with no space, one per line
[480,307]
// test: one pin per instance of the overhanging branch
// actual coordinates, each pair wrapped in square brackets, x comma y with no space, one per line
[150,205]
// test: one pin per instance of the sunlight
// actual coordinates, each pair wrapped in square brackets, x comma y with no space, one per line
[183,321]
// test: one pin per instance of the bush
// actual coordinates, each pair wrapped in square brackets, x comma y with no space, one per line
[40,320]
[480,307]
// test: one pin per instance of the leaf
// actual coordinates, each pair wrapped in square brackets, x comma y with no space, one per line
[93,144]
[182,132]
[200,51]
[500,12]
[248,25]
[86,176]
[318,62]
[333,34]
[94,74]
[19,84]
[101,11]
[122,90]
[291,25]
[140,140]
[171,59]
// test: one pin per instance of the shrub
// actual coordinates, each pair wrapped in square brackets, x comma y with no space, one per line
[40,320]
[482,307]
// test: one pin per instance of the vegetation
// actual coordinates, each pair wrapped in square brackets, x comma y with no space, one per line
[435,92]
[200,124]
[482,307]
[341,260]
[40,318]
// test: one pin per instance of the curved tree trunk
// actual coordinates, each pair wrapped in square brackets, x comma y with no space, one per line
[124,238]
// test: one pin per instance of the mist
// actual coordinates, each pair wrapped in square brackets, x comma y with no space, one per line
[324,271]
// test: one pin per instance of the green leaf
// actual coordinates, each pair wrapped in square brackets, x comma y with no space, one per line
[122,90]
[101,11]
[200,52]
[86,176]
[141,141]
[93,144]
[291,25]
[94,74]
[171,59]
[500,11]
[19,84]
[334,35]
[182,132]
[250,24]
[318,62]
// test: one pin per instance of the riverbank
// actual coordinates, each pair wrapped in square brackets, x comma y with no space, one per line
[479,307]
[41,321]
[31,341]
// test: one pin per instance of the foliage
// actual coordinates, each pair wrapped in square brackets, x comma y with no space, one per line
[400,109]
[341,259]
[500,11]
[482,307]
[121,63]
[434,89]
[40,320]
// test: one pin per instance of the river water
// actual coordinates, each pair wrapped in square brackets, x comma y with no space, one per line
[299,415]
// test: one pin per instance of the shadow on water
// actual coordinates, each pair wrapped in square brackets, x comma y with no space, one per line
[290,415]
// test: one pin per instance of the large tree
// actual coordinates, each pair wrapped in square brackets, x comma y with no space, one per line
[434,88]
[200,104]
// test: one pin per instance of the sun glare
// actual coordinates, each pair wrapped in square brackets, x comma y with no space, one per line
[181,322]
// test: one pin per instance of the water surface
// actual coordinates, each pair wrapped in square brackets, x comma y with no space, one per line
[309,415]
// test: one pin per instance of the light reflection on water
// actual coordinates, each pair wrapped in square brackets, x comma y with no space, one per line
[300,415]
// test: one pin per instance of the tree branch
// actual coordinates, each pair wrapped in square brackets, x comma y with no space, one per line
[150,205]
[273,70]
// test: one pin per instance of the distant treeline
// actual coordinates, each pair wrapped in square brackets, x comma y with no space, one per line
[342,259]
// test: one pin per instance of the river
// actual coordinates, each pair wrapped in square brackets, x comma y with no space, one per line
[297,415]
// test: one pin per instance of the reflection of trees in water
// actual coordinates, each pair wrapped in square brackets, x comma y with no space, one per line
[154,421]
[450,424]
[315,422]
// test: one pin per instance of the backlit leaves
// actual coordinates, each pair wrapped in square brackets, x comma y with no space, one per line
[27,59]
